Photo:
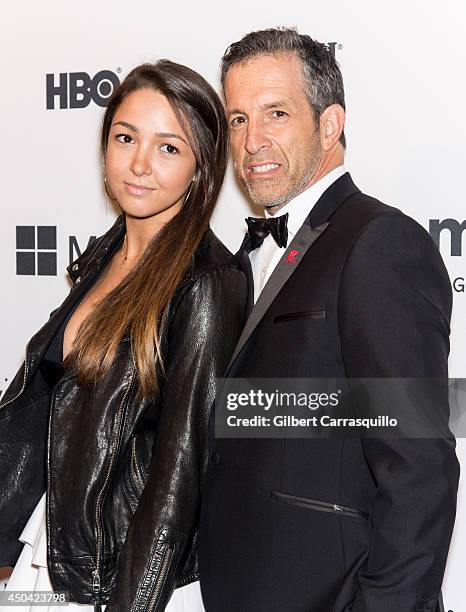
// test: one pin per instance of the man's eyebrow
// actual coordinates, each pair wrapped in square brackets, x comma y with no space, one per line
[235,111]
[275,104]
[266,106]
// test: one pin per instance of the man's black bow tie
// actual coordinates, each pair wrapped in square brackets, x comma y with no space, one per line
[259,229]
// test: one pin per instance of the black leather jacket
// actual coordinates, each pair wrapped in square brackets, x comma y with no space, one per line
[123,476]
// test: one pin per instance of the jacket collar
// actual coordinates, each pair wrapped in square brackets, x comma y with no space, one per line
[83,272]
[331,199]
[98,251]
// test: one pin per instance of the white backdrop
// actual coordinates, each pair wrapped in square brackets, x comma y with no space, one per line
[403,66]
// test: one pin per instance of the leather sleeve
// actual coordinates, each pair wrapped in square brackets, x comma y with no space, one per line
[205,324]
[394,312]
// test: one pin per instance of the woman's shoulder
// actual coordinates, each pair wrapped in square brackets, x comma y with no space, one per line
[211,257]
[213,280]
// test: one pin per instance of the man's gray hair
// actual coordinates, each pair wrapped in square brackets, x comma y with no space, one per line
[321,73]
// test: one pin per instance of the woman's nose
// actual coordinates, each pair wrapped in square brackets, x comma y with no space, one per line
[141,162]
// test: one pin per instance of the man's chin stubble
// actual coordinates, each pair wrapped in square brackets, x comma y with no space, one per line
[274,204]
[264,200]
[271,202]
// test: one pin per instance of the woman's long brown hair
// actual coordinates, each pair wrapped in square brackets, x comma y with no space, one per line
[138,305]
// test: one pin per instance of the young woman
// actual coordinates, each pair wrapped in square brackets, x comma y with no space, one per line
[103,432]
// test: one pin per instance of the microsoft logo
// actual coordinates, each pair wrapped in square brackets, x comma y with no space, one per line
[36,250]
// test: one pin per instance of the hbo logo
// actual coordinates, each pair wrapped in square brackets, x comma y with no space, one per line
[77,89]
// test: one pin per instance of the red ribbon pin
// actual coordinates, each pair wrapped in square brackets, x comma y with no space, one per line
[291,256]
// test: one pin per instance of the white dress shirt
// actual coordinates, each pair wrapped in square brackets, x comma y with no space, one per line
[266,257]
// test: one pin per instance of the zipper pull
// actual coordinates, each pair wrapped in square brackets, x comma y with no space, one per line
[95,581]
[337,508]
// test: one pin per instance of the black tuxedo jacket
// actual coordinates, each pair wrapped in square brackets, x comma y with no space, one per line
[367,296]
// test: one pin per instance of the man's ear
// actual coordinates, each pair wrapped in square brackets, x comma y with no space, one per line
[332,122]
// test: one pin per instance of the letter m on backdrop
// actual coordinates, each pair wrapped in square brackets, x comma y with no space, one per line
[456,230]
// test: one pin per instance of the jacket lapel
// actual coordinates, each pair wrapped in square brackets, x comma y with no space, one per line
[242,257]
[87,267]
[290,260]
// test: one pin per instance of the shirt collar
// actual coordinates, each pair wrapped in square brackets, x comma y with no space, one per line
[299,207]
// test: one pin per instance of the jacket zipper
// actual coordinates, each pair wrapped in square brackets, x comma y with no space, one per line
[314,504]
[96,574]
[26,368]
[49,437]
[165,564]
[136,472]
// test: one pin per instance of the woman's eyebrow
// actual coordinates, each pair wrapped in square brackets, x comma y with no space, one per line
[171,135]
[125,124]
[133,128]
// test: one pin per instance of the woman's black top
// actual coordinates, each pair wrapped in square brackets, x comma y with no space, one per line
[52,366]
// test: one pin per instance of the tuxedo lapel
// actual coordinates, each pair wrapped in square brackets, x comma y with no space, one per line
[317,222]
[290,260]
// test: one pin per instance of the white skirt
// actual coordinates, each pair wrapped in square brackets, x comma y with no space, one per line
[31,573]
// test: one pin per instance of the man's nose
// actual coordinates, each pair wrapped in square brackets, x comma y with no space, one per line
[256,138]
[141,162]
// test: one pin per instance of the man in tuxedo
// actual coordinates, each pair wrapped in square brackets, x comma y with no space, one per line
[345,287]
